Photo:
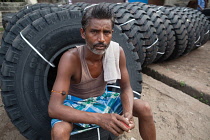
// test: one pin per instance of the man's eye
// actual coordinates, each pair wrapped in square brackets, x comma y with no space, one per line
[93,31]
[107,32]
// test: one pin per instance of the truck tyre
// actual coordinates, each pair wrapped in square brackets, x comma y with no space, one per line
[170,35]
[141,32]
[27,79]
[190,25]
[157,23]
[180,32]
[20,25]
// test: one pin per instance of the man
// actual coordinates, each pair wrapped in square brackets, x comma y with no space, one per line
[201,4]
[81,76]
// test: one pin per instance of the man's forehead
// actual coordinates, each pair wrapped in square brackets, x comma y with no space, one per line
[100,23]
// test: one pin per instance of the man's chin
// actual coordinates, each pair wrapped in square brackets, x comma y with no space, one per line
[101,52]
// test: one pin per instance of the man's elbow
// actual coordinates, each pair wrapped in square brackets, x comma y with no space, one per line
[52,112]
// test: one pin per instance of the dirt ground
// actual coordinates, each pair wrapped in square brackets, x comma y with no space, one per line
[177,115]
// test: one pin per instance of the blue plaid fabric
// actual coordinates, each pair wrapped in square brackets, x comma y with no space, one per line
[109,102]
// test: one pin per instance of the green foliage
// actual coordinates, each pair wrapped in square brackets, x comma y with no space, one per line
[1,29]
[182,83]
[202,99]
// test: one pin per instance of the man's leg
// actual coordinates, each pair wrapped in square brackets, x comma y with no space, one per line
[61,131]
[142,110]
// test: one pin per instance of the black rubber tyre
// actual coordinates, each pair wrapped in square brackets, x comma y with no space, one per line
[25,11]
[190,26]
[21,14]
[82,5]
[6,19]
[27,79]
[196,23]
[170,35]
[20,25]
[206,12]
[200,28]
[73,7]
[201,24]
[140,32]
[180,31]
[206,27]
[157,22]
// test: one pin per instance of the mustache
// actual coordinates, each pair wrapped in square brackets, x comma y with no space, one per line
[100,44]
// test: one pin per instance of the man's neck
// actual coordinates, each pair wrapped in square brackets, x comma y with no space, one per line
[90,56]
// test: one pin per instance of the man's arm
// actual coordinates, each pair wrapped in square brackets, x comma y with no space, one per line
[66,68]
[127,93]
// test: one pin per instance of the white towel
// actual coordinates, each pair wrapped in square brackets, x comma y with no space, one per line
[111,63]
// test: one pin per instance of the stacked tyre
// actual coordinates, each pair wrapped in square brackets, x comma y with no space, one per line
[26,79]
[37,36]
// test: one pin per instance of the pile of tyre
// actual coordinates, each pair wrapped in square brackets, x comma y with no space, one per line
[36,37]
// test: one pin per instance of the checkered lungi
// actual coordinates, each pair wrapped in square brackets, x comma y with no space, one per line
[109,102]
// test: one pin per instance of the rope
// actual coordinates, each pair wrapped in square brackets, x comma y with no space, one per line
[127,22]
[161,52]
[198,45]
[197,39]
[99,138]
[119,88]
[52,65]
[90,6]
[152,44]
[160,7]
[206,32]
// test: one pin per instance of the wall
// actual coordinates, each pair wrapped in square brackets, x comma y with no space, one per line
[176,2]
[98,1]
[31,1]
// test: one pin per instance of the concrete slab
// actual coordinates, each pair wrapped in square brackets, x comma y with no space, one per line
[190,73]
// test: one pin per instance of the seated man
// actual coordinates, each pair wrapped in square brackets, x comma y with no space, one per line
[79,98]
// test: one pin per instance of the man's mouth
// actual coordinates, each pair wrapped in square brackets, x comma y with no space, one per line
[100,47]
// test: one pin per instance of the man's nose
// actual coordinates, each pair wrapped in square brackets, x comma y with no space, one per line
[101,37]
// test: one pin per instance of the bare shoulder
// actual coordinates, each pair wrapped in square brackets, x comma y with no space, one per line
[70,54]
[122,54]
[70,59]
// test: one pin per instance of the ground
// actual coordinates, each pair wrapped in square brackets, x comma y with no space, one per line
[177,115]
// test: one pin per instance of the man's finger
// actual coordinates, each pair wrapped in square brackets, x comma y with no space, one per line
[118,129]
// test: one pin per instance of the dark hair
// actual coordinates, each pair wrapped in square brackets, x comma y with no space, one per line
[100,11]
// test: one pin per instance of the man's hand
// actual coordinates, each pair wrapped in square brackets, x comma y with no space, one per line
[129,117]
[114,123]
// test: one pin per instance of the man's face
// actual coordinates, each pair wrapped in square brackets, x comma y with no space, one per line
[98,35]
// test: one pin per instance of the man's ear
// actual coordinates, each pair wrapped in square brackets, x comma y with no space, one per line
[82,32]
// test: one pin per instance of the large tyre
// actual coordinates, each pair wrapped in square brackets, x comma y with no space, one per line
[190,25]
[21,14]
[82,5]
[140,32]
[157,23]
[206,27]
[6,19]
[179,29]
[27,79]
[20,25]
[25,11]
[73,7]
[170,36]
[199,23]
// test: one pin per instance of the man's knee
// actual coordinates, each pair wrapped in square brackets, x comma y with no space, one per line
[62,129]
[142,108]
